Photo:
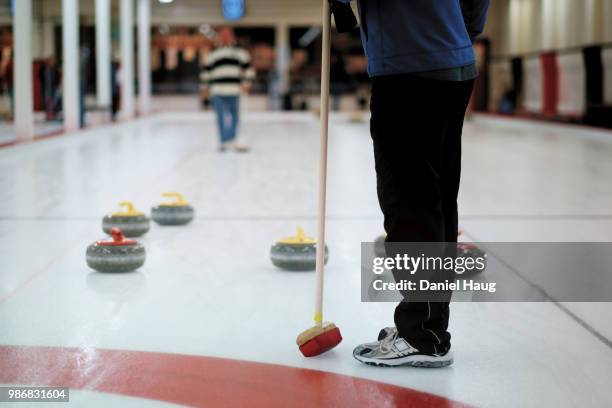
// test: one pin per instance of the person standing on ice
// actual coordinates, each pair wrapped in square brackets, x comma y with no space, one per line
[227,72]
[422,64]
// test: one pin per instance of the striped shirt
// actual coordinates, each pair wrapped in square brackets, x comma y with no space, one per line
[226,69]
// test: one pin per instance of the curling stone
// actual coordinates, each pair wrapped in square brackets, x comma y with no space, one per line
[131,222]
[177,212]
[115,255]
[298,253]
[470,250]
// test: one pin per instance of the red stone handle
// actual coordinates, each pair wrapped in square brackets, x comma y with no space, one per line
[118,239]
[117,235]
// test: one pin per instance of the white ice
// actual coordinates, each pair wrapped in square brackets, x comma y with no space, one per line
[209,288]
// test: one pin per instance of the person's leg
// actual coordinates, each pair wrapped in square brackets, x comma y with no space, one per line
[452,112]
[219,106]
[234,108]
[451,163]
[410,315]
[233,103]
[408,126]
[407,129]
[114,106]
[417,151]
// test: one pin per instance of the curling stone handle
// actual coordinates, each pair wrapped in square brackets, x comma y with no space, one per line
[320,264]
[128,205]
[117,235]
[179,199]
[301,237]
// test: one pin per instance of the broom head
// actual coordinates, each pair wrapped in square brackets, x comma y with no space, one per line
[319,339]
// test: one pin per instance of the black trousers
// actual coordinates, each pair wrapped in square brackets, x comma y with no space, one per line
[416,129]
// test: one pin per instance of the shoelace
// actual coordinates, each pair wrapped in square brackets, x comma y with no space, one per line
[386,343]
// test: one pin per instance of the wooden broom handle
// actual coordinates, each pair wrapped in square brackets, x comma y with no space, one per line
[320,264]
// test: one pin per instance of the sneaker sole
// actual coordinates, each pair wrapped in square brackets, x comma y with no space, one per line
[410,361]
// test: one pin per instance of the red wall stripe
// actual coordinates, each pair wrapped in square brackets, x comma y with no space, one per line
[550,83]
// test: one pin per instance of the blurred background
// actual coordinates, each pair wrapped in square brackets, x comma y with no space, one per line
[547,59]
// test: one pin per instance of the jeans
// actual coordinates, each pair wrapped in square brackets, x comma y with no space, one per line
[416,130]
[227,110]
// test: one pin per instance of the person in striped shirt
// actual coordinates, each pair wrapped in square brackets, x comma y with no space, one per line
[226,74]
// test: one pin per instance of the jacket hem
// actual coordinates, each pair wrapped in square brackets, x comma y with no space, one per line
[421,62]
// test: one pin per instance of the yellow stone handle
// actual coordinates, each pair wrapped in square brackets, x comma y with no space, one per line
[300,234]
[127,209]
[178,198]
[128,205]
[299,238]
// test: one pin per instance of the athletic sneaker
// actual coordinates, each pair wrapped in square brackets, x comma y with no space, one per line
[240,147]
[386,332]
[392,351]
[383,334]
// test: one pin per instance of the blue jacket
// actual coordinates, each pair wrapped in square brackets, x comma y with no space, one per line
[404,36]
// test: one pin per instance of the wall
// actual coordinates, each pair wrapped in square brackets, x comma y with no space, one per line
[515,26]
[519,27]
[47,13]
[195,12]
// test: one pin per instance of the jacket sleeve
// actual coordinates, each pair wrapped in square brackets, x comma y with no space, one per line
[343,15]
[474,16]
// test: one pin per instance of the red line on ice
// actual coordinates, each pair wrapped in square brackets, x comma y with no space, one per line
[201,381]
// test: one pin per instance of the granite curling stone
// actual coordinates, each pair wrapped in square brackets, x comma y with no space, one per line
[115,255]
[470,250]
[298,253]
[131,222]
[177,212]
